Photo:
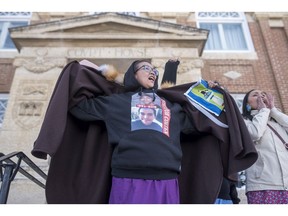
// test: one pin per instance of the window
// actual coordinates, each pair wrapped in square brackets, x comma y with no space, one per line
[238,99]
[228,31]
[9,20]
[3,105]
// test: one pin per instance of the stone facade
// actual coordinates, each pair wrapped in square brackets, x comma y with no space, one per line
[55,39]
[45,48]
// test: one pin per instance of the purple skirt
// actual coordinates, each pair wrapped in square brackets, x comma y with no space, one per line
[267,197]
[140,191]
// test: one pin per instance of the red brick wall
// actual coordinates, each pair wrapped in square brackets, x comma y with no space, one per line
[269,72]
[6,75]
[277,50]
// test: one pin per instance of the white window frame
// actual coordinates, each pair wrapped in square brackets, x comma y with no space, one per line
[5,97]
[7,18]
[227,17]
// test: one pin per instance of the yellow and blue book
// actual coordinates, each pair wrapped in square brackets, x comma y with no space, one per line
[208,98]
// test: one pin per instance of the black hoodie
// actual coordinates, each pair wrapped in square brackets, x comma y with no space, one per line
[142,153]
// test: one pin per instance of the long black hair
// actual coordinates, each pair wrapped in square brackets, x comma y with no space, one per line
[245,112]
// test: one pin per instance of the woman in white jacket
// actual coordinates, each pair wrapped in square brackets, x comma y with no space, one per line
[267,178]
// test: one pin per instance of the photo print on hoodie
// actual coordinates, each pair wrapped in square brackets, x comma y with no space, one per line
[148,111]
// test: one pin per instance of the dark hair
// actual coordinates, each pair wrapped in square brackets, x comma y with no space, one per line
[154,110]
[136,63]
[246,113]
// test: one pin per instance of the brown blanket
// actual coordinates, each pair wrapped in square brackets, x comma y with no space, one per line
[79,171]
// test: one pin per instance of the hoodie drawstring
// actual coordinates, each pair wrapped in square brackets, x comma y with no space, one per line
[141,91]
[154,97]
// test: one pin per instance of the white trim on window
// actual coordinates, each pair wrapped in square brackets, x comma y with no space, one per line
[3,106]
[15,15]
[222,18]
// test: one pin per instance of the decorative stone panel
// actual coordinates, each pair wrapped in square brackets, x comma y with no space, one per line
[31,97]
[40,62]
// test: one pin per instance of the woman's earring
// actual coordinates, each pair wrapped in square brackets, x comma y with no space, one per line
[248,107]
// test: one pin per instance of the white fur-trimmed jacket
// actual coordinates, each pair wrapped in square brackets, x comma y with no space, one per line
[270,171]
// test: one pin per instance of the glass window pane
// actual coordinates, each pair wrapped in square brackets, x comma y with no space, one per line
[213,42]
[234,36]
[3,105]
[1,34]
[8,43]
[230,29]
[18,23]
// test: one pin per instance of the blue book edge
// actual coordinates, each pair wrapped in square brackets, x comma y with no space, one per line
[210,99]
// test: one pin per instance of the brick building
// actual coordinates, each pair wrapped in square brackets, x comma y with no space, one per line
[242,51]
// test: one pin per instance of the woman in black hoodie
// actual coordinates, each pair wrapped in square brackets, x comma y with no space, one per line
[145,162]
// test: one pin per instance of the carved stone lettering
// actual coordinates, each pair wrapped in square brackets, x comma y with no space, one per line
[106,53]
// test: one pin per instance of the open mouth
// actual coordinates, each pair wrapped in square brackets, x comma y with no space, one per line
[152,78]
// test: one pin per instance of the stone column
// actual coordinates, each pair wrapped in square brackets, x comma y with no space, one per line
[35,76]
